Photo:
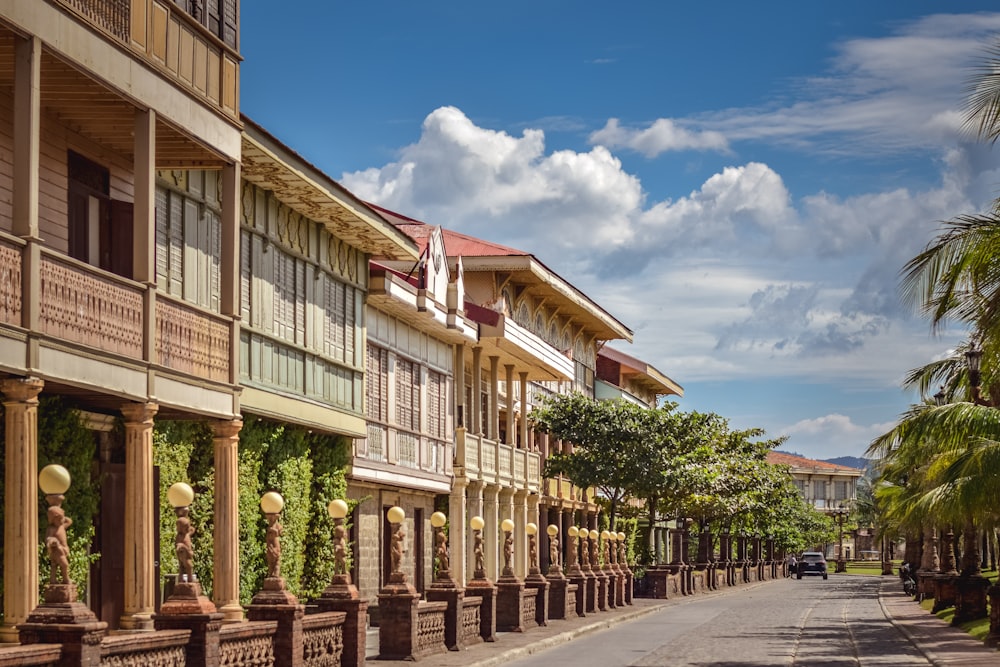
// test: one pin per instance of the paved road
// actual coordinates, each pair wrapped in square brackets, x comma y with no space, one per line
[810,622]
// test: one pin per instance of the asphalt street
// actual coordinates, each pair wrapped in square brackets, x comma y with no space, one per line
[859,621]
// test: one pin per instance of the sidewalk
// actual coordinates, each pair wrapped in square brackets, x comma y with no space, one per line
[939,642]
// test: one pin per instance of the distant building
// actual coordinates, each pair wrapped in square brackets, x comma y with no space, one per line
[826,486]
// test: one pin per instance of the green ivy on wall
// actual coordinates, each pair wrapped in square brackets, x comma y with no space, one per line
[307,469]
[63,439]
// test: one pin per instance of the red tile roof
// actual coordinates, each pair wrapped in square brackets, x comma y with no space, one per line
[783,458]
[456,243]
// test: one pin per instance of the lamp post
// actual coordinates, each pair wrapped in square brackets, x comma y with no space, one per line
[54,481]
[840,515]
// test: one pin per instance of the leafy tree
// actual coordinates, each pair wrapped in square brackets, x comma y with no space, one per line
[614,443]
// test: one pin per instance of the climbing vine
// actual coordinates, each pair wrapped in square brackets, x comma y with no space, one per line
[307,469]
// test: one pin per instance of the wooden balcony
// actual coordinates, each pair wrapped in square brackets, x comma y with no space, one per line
[106,317]
[389,452]
[173,42]
[482,459]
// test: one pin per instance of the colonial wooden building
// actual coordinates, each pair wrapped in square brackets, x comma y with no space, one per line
[537,334]
[97,99]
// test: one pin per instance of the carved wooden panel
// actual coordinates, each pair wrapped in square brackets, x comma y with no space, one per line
[192,342]
[10,284]
[91,309]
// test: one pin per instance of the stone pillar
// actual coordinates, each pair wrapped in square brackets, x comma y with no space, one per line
[457,520]
[476,507]
[519,508]
[20,533]
[491,533]
[226,537]
[140,553]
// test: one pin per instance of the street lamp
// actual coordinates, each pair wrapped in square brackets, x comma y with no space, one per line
[840,515]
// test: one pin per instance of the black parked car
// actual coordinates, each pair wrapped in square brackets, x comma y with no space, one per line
[812,562]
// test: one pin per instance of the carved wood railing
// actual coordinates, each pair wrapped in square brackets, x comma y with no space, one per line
[323,639]
[248,644]
[10,282]
[170,39]
[192,341]
[85,305]
[111,16]
[164,648]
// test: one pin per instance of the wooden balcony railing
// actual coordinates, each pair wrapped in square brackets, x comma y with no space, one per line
[91,307]
[10,282]
[192,341]
[486,460]
[388,444]
[83,305]
[172,41]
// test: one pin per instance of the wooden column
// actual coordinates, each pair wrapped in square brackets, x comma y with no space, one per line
[226,537]
[25,177]
[20,533]
[526,444]
[510,438]
[27,133]
[476,425]
[140,553]
[494,425]
[229,263]
[461,409]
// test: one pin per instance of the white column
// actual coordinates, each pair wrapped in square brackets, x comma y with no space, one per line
[491,531]
[457,521]
[519,512]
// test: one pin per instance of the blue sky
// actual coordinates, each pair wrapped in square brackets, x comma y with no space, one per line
[739,183]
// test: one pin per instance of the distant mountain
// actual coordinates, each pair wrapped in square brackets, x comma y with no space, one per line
[849,462]
[845,461]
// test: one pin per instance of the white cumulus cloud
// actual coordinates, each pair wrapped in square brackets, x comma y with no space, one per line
[661,136]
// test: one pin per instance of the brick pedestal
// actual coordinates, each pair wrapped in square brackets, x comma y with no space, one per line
[580,581]
[601,588]
[343,596]
[275,603]
[558,596]
[454,596]
[538,586]
[397,623]
[188,609]
[945,591]
[69,623]
[485,589]
[510,599]
[970,603]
